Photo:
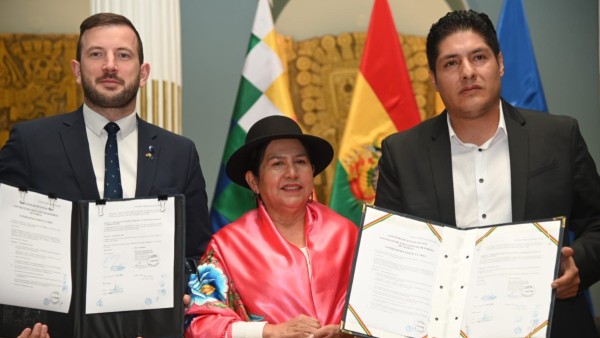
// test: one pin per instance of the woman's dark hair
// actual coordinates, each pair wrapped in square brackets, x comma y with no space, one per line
[259,154]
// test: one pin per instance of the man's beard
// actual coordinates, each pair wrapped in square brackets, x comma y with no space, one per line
[119,100]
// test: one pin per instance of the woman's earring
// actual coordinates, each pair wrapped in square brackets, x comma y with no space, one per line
[258,199]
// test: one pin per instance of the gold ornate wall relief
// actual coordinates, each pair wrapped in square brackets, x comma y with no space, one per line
[35,78]
[322,73]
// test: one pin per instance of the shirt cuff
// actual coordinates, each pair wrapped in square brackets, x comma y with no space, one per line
[247,329]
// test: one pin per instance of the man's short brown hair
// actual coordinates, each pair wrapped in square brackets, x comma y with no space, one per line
[108,19]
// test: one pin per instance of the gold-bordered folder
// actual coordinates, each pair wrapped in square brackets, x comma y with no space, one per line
[415,278]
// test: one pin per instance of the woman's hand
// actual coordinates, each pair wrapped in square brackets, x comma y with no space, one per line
[39,331]
[298,327]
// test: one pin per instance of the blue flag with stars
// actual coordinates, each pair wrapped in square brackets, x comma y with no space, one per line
[521,84]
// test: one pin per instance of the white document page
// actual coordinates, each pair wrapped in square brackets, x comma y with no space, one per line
[393,279]
[510,294]
[35,237]
[130,255]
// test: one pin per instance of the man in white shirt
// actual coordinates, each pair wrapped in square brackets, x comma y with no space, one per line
[64,154]
[483,161]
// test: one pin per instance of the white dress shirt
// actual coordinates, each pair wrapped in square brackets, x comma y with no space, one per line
[481,178]
[127,141]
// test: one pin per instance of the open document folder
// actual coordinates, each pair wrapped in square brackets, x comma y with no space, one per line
[416,278]
[91,268]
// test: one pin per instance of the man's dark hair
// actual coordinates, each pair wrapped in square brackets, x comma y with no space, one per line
[108,19]
[461,20]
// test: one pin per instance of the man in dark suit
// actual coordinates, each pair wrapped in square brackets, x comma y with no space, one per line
[482,161]
[64,154]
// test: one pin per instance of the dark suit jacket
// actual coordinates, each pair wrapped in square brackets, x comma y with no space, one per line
[552,174]
[51,155]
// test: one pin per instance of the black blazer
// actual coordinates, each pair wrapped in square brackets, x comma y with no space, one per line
[51,155]
[552,174]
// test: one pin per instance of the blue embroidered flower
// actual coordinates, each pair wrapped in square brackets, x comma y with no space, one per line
[208,285]
[256,318]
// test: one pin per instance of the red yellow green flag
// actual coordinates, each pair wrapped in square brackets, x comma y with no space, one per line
[383,102]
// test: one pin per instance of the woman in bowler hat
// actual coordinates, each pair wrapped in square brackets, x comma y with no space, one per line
[282,269]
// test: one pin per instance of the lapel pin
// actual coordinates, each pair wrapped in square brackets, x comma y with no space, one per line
[150,153]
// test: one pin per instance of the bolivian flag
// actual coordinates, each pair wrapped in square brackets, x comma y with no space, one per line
[382,103]
[263,91]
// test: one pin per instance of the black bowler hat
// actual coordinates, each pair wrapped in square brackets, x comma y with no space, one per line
[272,128]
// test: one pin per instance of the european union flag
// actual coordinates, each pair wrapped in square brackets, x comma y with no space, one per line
[521,84]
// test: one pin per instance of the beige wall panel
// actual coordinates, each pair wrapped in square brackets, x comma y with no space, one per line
[42,16]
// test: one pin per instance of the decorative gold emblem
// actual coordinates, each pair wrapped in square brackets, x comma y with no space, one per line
[363,173]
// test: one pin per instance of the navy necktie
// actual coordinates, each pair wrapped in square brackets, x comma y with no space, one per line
[112,173]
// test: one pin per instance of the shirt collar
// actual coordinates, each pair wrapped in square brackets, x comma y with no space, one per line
[96,122]
[501,127]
